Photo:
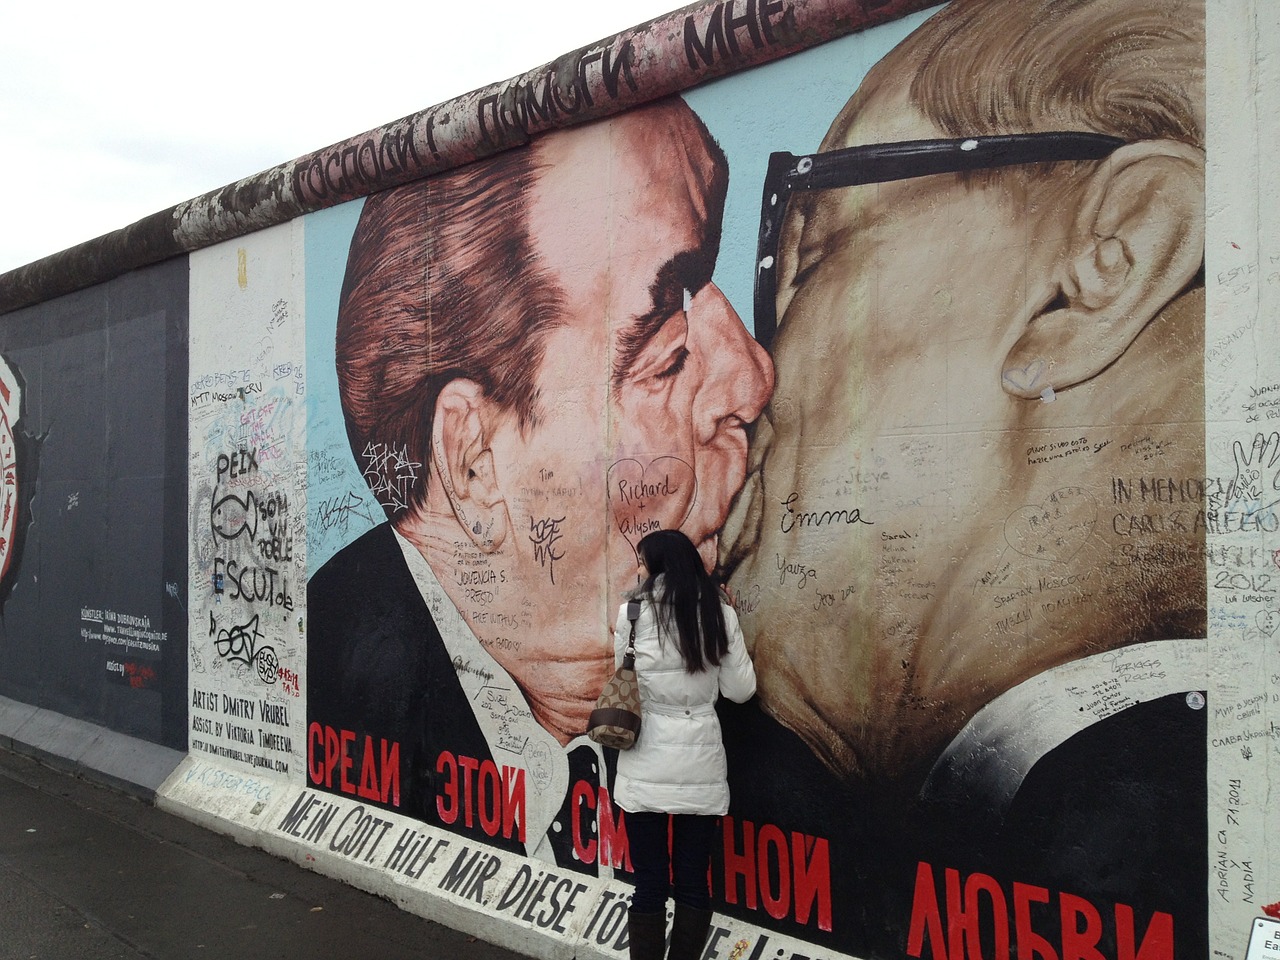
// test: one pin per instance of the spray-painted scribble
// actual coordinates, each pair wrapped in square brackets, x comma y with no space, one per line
[1257,478]
[1054,530]
[241,644]
[544,534]
[232,516]
[337,513]
[391,474]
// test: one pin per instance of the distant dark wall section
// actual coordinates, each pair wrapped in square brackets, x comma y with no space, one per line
[93,622]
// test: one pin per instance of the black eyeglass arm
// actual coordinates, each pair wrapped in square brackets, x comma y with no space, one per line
[882,163]
[773,207]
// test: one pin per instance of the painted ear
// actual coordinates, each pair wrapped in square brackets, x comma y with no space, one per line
[462,459]
[1138,242]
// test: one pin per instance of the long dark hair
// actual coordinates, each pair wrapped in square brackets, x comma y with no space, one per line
[683,592]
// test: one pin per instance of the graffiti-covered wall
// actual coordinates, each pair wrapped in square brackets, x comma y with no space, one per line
[946,342]
[247,484]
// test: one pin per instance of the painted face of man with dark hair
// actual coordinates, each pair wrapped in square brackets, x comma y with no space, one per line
[647,382]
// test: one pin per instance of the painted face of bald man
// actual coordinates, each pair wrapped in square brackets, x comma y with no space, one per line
[964,367]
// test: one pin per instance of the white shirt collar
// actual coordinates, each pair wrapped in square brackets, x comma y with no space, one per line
[501,710]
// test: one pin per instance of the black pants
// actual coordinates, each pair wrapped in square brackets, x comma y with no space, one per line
[687,864]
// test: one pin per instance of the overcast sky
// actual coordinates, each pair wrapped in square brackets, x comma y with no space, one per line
[112,111]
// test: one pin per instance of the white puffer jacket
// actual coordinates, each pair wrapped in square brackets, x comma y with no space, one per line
[678,764]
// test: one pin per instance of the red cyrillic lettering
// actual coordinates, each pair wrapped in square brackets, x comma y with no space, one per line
[778,902]
[315,752]
[344,769]
[513,815]
[490,798]
[447,799]
[739,864]
[812,860]
[614,849]
[582,793]
[925,916]
[369,772]
[390,775]
[1030,943]
[331,753]
[1157,943]
[1080,944]
[468,766]
[974,886]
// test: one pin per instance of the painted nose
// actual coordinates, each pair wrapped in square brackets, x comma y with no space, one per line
[738,378]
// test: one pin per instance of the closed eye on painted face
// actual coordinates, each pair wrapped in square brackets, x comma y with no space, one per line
[655,345]
[886,162]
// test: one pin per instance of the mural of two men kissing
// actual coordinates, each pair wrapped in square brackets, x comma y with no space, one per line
[914,471]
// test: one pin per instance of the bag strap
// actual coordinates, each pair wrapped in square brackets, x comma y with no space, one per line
[633,614]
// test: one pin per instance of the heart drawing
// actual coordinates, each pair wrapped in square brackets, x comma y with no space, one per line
[658,496]
[1025,379]
[1056,529]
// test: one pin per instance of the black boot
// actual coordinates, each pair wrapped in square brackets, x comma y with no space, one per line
[689,933]
[646,934]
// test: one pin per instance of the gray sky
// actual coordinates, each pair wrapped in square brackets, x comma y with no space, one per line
[112,111]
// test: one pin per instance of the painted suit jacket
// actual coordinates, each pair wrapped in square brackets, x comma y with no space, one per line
[377,669]
[1115,814]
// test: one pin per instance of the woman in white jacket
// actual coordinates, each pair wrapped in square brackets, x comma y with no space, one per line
[689,651]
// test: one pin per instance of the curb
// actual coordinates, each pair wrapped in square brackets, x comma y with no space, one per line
[87,750]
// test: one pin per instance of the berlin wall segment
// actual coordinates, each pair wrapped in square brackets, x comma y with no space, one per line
[477,506]
[92,525]
[1010,589]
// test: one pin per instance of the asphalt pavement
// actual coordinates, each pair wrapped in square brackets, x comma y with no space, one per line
[89,873]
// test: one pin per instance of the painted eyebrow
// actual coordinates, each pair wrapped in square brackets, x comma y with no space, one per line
[687,270]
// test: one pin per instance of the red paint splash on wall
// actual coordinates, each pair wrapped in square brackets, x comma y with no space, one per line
[1273,910]
[139,677]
